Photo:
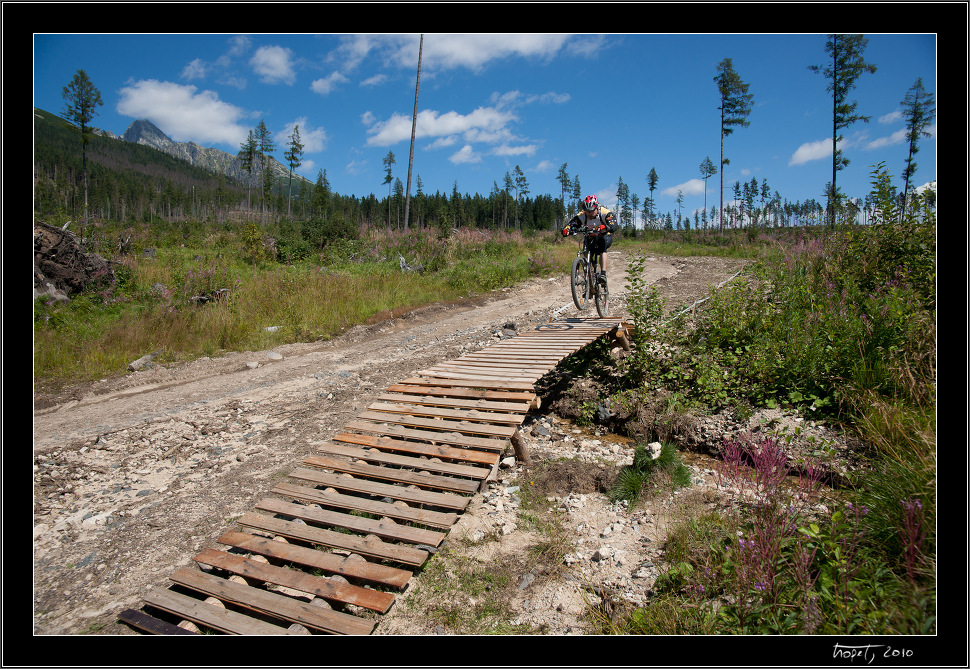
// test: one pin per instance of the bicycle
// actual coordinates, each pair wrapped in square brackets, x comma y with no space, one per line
[584,279]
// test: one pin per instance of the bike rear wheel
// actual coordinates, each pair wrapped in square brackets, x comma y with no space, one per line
[579,281]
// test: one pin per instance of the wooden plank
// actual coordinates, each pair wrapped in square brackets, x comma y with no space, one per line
[419,478]
[431,450]
[463,393]
[560,348]
[317,559]
[501,365]
[316,586]
[463,426]
[452,438]
[385,528]
[456,383]
[431,400]
[273,604]
[151,624]
[352,502]
[369,546]
[440,373]
[422,464]
[455,414]
[210,615]
[410,495]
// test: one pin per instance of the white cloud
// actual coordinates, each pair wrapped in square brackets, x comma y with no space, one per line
[443,142]
[183,112]
[484,123]
[445,52]
[505,150]
[810,151]
[891,117]
[897,137]
[326,85]
[274,64]
[465,155]
[194,70]
[690,187]
[313,139]
[355,167]
[376,80]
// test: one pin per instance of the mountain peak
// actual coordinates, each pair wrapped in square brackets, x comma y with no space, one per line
[144,131]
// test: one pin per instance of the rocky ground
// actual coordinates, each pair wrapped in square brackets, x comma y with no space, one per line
[134,475]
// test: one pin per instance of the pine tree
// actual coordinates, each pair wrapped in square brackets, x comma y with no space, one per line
[652,181]
[247,156]
[919,114]
[294,158]
[388,179]
[83,100]
[847,66]
[563,179]
[521,190]
[707,170]
[266,146]
[735,108]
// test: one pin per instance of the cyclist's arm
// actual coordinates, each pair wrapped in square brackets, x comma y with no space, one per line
[610,222]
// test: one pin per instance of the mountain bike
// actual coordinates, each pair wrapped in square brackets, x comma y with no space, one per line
[585,280]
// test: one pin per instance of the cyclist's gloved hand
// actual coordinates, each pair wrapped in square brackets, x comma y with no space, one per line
[602,228]
[565,232]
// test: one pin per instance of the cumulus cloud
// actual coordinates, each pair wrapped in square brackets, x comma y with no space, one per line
[690,187]
[312,139]
[274,64]
[891,117]
[327,84]
[479,124]
[183,112]
[194,70]
[810,151]
[466,155]
[896,138]
[524,150]
[376,80]
[446,52]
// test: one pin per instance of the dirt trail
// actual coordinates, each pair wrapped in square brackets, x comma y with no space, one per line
[132,476]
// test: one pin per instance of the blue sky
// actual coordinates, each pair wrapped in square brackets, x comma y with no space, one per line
[609,106]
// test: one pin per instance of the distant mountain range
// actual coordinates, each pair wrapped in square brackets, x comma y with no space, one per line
[214,160]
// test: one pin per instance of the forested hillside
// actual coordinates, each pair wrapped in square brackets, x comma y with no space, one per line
[132,183]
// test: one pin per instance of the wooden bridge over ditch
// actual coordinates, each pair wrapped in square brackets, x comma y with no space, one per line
[345,534]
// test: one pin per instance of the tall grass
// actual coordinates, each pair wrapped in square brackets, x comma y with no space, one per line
[840,326]
[152,304]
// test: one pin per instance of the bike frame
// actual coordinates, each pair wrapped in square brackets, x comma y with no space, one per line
[592,290]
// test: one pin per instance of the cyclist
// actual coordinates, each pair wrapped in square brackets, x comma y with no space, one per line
[594,217]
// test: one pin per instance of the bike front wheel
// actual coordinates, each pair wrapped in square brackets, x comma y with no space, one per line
[579,279]
[603,298]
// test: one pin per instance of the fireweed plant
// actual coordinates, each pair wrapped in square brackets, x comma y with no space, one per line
[840,326]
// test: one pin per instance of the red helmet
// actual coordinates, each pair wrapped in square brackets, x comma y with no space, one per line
[591,203]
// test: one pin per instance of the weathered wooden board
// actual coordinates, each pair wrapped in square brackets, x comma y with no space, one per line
[315,586]
[367,546]
[359,569]
[434,465]
[453,438]
[397,511]
[151,624]
[420,448]
[384,528]
[273,604]
[380,490]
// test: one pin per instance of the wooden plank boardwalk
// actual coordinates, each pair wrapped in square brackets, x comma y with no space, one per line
[341,539]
